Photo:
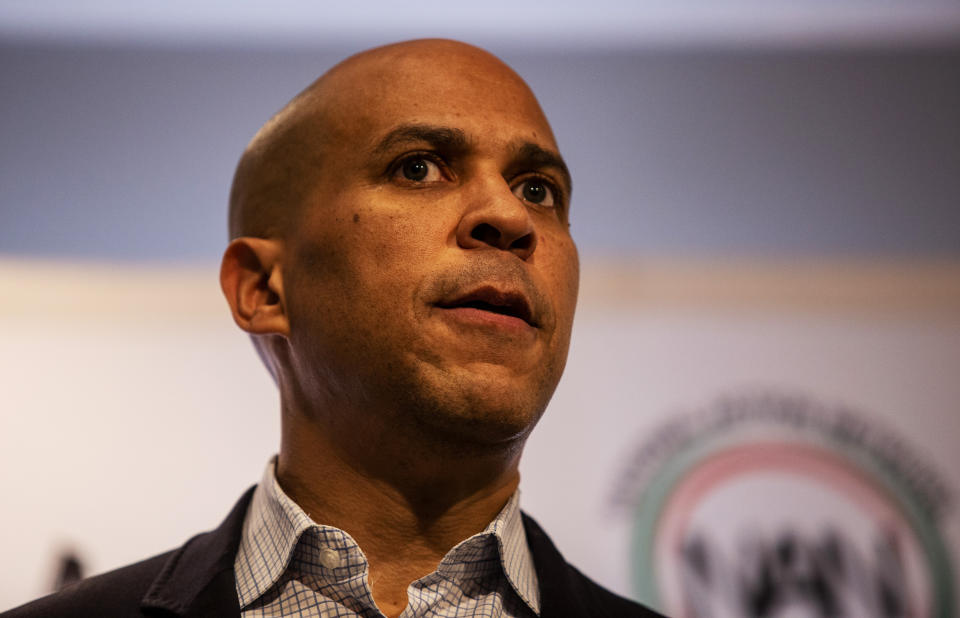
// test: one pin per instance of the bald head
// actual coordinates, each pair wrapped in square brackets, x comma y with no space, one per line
[276,168]
[286,157]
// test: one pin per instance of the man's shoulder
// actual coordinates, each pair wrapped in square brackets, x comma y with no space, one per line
[115,593]
[195,579]
[565,591]
[603,602]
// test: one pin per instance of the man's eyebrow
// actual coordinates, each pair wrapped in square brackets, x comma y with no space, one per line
[535,156]
[438,137]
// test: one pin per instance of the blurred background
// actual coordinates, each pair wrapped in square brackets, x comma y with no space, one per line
[760,411]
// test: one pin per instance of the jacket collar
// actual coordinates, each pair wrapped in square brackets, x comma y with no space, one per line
[198,579]
[558,590]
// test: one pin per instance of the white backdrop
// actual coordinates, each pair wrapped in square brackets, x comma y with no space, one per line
[135,413]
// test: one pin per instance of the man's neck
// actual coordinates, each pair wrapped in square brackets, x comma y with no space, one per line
[406,505]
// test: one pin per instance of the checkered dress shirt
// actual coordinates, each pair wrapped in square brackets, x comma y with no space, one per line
[287,565]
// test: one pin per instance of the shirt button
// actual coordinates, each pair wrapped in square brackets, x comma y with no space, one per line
[329,558]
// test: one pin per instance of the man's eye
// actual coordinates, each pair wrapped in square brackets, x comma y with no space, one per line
[535,191]
[420,169]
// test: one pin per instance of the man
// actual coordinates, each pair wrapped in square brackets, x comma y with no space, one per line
[400,253]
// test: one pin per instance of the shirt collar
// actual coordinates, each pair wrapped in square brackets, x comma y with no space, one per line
[271,530]
[514,553]
[275,523]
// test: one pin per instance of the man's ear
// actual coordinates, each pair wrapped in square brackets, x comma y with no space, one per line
[252,281]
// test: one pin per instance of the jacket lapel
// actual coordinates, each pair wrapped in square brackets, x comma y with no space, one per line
[198,579]
[557,595]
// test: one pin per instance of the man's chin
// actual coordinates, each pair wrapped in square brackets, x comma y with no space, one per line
[475,434]
[482,415]
[477,402]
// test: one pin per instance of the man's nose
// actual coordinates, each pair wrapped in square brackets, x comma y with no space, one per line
[497,218]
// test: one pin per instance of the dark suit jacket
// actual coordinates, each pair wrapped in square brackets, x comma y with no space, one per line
[198,580]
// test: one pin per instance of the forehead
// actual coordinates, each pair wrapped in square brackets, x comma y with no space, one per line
[456,87]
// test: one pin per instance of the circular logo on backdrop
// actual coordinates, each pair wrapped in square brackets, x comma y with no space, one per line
[769,505]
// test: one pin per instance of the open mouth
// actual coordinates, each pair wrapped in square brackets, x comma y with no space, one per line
[490,300]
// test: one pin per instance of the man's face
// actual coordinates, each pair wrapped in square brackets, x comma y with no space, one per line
[430,274]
